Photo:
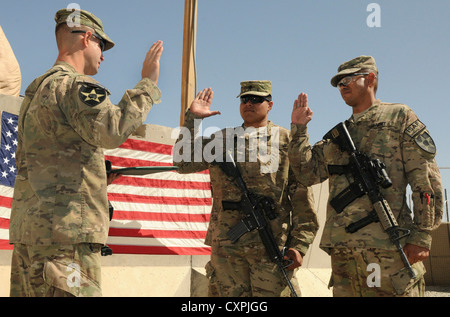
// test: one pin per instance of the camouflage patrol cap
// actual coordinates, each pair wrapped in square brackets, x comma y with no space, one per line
[256,87]
[77,18]
[353,66]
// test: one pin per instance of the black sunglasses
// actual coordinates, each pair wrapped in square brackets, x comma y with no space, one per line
[253,99]
[102,42]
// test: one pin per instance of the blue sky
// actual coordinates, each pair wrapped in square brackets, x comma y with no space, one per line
[298,45]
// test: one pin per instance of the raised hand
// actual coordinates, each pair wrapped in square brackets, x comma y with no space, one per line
[301,113]
[150,68]
[202,104]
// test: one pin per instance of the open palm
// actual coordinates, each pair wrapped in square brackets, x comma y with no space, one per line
[202,104]
[301,113]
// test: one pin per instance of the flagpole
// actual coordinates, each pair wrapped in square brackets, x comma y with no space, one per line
[188,73]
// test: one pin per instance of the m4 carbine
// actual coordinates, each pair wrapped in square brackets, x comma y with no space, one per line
[256,209]
[368,176]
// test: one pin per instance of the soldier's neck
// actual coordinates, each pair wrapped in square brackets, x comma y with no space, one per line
[75,60]
[258,124]
[364,104]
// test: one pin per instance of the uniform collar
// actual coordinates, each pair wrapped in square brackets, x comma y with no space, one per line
[65,66]
[268,126]
[368,112]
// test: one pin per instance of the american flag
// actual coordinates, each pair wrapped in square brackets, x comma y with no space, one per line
[160,213]
[8,146]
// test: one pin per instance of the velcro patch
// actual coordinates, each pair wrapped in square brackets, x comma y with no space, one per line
[425,142]
[414,128]
[92,95]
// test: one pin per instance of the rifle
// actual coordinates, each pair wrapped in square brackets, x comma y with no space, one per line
[368,176]
[105,249]
[256,208]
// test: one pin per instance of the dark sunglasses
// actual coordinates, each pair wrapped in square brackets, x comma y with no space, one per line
[102,42]
[253,99]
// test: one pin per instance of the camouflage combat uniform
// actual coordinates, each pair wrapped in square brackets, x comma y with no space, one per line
[393,134]
[243,268]
[59,216]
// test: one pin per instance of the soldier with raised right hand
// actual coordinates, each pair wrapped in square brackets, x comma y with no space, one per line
[393,134]
[243,267]
[59,214]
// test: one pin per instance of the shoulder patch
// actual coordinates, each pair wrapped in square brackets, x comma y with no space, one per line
[414,128]
[92,94]
[425,142]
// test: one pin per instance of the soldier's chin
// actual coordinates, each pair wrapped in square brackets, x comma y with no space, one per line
[91,72]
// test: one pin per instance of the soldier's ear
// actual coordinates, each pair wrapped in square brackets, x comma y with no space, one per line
[371,77]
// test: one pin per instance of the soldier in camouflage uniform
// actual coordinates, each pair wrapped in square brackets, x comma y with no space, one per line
[59,217]
[244,268]
[366,263]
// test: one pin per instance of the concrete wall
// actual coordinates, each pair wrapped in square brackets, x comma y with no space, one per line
[10,104]
[438,263]
[165,276]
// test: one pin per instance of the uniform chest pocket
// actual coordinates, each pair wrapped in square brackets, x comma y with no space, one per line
[381,140]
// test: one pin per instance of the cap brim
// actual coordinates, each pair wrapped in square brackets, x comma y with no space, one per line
[343,73]
[109,44]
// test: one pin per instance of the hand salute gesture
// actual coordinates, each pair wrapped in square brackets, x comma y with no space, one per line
[301,113]
[202,104]
[150,68]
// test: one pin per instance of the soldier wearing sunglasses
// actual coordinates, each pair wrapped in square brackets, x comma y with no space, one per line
[243,268]
[60,213]
[365,262]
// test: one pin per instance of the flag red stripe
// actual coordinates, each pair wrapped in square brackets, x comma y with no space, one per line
[5,201]
[160,199]
[126,162]
[4,245]
[4,223]
[160,216]
[146,146]
[144,233]
[161,183]
[134,249]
